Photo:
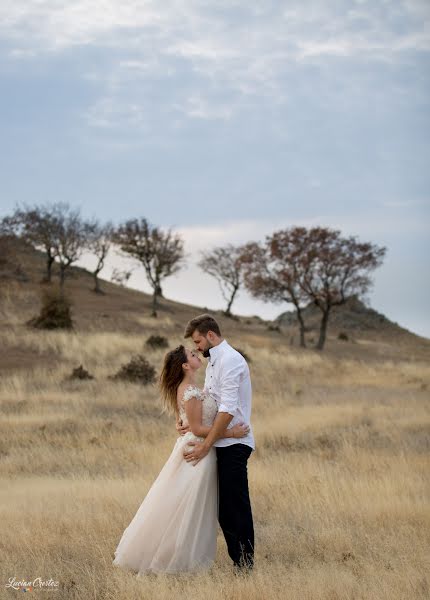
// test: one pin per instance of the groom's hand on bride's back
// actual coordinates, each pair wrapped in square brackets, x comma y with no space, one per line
[182,429]
[239,430]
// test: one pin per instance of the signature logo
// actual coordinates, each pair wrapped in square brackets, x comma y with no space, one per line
[29,586]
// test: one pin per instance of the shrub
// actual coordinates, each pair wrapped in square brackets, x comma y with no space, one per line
[157,341]
[55,312]
[343,336]
[80,373]
[138,370]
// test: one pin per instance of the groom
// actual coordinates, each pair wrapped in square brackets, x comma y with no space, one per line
[228,382]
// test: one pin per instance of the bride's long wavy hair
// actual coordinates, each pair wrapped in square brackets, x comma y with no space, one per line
[170,378]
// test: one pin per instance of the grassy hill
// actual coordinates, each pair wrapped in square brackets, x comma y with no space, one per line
[371,336]
[339,478]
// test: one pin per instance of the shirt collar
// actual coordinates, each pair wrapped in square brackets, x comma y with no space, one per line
[217,350]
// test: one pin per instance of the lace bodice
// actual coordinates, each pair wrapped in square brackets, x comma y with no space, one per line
[209,406]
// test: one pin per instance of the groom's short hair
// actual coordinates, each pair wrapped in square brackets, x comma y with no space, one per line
[203,323]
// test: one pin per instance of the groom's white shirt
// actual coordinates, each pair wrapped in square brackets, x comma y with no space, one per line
[229,383]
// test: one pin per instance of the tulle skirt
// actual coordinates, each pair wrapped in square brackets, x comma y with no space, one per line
[175,528]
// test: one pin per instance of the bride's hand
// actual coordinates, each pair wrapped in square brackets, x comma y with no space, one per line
[240,430]
[182,429]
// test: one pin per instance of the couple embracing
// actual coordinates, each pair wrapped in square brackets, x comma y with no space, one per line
[205,478]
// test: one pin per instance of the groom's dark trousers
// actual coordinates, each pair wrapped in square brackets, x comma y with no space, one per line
[234,512]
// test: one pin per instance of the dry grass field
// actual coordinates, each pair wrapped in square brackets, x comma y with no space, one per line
[339,480]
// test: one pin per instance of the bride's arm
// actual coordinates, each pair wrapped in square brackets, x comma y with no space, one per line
[193,410]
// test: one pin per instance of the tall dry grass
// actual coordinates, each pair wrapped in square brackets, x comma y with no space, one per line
[339,479]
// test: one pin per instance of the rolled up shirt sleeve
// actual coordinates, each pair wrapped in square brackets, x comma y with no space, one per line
[230,389]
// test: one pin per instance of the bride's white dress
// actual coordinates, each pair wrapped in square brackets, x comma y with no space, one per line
[175,527]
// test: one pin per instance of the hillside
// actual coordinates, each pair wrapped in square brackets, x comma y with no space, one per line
[354,316]
[370,335]
[356,320]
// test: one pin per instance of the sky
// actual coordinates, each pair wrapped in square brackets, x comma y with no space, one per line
[226,121]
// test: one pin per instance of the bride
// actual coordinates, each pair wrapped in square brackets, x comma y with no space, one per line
[175,528]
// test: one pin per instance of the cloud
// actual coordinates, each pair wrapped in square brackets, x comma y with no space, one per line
[197,29]
[199,107]
[406,203]
[209,49]
[54,25]
[388,225]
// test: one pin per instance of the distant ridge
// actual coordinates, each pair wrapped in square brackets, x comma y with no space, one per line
[353,316]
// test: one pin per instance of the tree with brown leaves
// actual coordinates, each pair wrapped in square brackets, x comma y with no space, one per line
[336,268]
[272,273]
[318,265]
[160,252]
[226,264]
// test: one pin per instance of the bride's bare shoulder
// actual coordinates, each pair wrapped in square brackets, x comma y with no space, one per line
[182,388]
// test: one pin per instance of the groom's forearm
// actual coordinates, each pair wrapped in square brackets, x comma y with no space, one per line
[222,421]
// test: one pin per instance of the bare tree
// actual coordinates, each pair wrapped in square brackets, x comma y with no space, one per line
[99,242]
[226,264]
[7,227]
[120,277]
[70,238]
[273,270]
[38,226]
[160,252]
[6,236]
[336,269]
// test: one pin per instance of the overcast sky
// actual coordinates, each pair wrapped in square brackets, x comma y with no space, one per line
[227,120]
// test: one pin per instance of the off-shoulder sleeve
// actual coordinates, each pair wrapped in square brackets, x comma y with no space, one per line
[192,392]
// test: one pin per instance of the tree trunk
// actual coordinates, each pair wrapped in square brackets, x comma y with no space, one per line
[62,277]
[230,302]
[323,329]
[97,289]
[154,302]
[301,327]
[49,261]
